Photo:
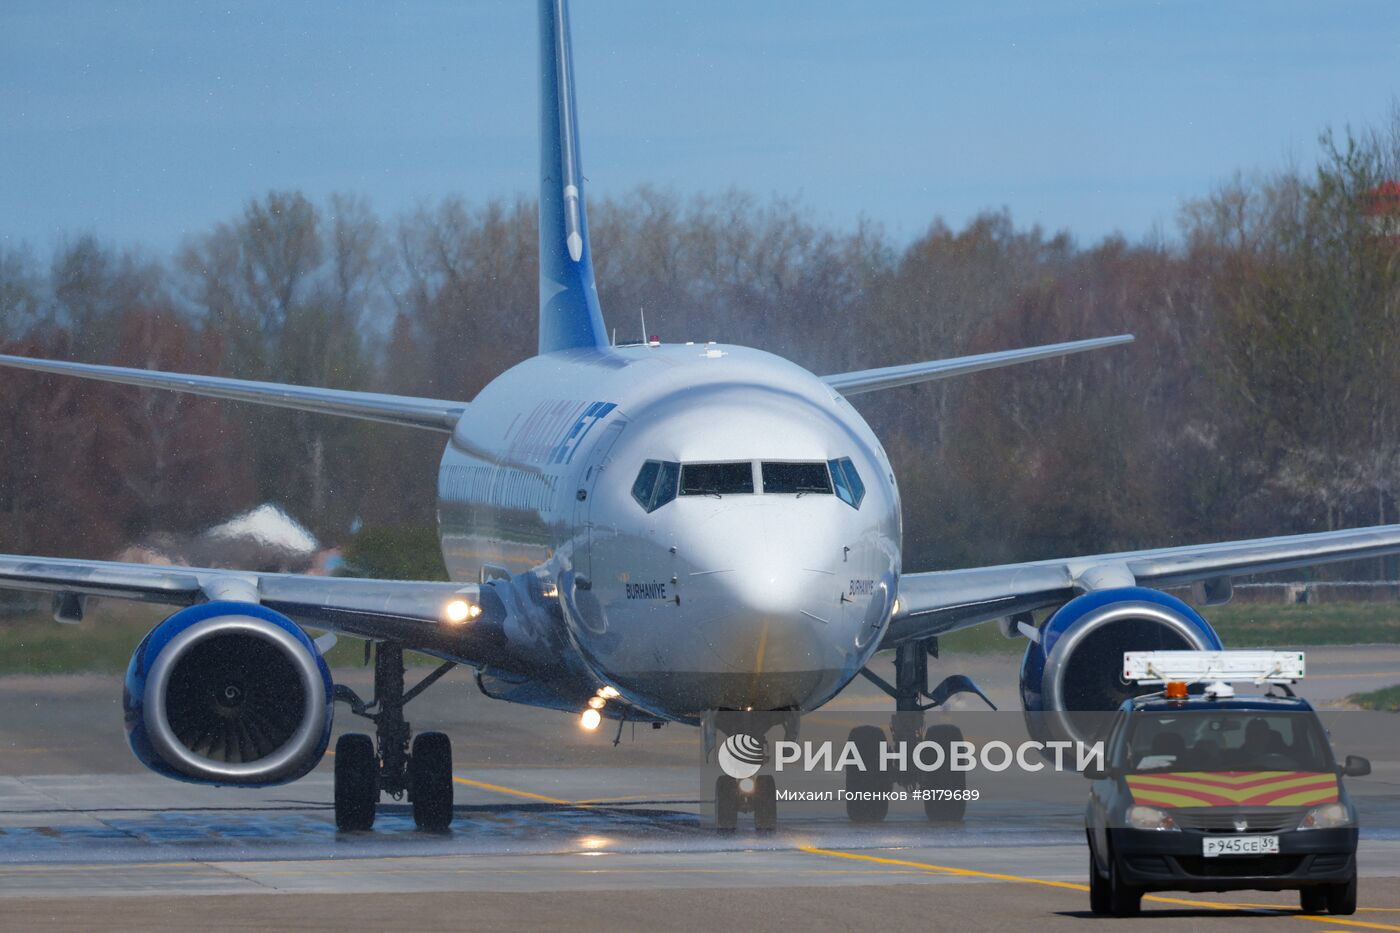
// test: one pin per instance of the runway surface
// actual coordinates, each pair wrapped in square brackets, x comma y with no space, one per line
[553,826]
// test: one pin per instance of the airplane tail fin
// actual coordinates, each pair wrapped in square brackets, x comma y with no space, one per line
[570,316]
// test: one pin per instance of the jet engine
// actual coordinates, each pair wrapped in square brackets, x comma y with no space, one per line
[1076,665]
[228,693]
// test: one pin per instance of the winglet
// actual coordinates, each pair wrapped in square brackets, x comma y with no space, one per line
[570,316]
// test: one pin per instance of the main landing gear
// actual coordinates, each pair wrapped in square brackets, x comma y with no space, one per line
[943,791]
[423,769]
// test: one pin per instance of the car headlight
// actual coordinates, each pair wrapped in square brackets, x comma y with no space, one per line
[1140,817]
[1327,816]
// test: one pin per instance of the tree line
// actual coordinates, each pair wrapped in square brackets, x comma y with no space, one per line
[1262,395]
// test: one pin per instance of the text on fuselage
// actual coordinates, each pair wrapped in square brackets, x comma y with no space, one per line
[646,591]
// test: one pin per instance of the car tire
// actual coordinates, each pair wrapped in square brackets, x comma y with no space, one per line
[1313,900]
[1099,901]
[1124,900]
[1341,898]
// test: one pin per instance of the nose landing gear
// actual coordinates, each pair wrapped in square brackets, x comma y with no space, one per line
[422,770]
[757,793]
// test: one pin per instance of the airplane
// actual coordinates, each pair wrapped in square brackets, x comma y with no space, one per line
[638,533]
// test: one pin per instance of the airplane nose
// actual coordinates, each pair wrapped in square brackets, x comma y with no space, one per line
[769,601]
[768,592]
[769,612]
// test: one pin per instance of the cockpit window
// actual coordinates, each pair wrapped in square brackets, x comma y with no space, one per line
[656,484]
[796,477]
[716,479]
[660,481]
[848,484]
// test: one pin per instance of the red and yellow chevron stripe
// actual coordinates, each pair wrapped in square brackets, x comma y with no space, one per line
[1233,788]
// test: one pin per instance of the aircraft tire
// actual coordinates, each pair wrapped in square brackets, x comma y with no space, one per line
[765,804]
[726,803]
[867,741]
[356,782]
[947,810]
[430,781]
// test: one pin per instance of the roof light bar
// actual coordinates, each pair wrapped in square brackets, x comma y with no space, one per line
[1159,667]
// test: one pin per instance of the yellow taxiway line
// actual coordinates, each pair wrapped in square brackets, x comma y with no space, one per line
[529,795]
[585,804]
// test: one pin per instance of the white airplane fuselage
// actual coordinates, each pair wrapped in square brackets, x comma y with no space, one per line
[769,600]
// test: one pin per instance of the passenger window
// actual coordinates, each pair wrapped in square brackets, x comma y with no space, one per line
[716,479]
[848,483]
[656,484]
[796,477]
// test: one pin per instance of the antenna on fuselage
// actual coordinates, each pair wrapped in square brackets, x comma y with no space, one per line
[643,312]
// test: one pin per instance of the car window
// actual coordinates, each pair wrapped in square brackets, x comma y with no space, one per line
[1234,740]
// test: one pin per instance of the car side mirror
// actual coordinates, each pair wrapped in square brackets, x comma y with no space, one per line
[1092,773]
[1356,766]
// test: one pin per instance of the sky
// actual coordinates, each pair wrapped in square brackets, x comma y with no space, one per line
[146,122]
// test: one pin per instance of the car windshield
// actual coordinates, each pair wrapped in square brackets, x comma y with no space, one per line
[1233,740]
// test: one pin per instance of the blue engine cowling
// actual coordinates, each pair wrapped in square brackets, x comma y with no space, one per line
[1077,665]
[228,693]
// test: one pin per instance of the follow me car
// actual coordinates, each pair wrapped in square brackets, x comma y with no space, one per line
[1203,790]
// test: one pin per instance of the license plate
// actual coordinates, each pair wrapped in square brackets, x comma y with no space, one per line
[1239,845]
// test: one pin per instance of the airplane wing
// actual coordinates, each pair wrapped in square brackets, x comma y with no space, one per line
[888,377]
[412,612]
[434,414]
[947,600]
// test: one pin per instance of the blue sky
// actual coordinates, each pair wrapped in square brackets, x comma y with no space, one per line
[143,122]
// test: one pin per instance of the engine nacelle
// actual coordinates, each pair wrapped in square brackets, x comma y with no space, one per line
[1078,663]
[228,693]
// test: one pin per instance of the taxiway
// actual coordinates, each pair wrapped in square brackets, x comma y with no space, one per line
[553,826]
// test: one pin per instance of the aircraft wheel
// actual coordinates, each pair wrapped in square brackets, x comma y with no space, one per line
[867,740]
[765,803]
[430,781]
[356,782]
[946,810]
[726,803]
